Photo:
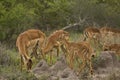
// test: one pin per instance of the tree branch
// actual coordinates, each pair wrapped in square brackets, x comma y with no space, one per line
[81,21]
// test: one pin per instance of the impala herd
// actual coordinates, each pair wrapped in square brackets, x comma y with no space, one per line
[34,40]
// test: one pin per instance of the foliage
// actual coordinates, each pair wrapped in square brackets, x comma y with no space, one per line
[17,16]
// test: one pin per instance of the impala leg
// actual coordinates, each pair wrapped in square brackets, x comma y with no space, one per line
[57,45]
[35,50]
[21,62]
[35,53]
[68,58]
[51,52]
[43,54]
[91,69]
[64,50]
[71,61]
[31,55]
[82,66]
[29,64]
[58,50]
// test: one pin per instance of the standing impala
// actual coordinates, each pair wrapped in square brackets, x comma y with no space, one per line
[29,38]
[82,51]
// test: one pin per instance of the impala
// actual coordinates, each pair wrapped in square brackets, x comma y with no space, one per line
[112,47]
[91,33]
[82,51]
[53,41]
[110,34]
[25,40]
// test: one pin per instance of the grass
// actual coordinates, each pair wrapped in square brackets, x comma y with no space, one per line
[13,73]
[10,66]
[77,37]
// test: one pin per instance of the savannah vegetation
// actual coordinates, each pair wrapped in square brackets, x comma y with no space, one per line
[17,16]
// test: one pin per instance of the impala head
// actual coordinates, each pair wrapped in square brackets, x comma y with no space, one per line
[64,35]
[105,46]
[29,64]
[93,53]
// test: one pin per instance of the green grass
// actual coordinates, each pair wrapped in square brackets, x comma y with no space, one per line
[10,66]
[13,73]
[77,37]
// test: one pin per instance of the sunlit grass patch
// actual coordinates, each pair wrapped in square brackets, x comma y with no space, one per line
[54,58]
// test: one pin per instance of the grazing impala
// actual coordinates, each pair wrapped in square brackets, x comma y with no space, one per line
[112,47]
[110,34]
[108,30]
[82,51]
[53,41]
[25,40]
